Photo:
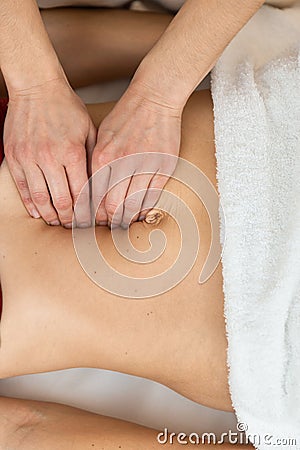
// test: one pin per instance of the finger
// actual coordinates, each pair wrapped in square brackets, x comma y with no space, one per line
[90,145]
[78,179]
[22,186]
[156,185]
[114,203]
[60,193]
[100,185]
[40,194]
[135,198]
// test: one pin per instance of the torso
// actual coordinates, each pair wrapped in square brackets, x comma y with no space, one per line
[52,309]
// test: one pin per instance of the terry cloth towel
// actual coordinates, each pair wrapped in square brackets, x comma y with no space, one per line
[256,94]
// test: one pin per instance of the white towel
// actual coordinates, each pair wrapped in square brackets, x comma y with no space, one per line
[256,93]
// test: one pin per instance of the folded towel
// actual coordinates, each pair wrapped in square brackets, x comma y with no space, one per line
[256,93]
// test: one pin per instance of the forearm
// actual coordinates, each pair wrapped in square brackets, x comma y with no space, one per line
[190,47]
[27,57]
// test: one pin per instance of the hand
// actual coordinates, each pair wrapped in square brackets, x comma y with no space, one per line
[47,134]
[136,125]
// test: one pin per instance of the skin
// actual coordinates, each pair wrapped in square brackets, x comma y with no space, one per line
[70,29]
[177,339]
[27,251]
[29,247]
[39,91]
[56,153]
[28,425]
[187,322]
[152,106]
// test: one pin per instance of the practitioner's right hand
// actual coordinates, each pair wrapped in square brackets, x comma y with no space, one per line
[47,135]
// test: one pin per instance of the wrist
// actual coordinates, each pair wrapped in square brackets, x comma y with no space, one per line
[29,75]
[45,91]
[27,56]
[160,86]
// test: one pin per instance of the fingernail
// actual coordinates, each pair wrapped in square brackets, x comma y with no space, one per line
[84,225]
[101,223]
[68,225]
[54,223]
[124,226]
[113,226]
[35,214]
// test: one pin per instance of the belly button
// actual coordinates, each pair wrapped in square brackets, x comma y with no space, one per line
[154,217]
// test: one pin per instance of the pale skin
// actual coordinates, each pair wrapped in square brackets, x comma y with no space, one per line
[54,155]
[75,303]
[177,339]
[189,350]
[28,425]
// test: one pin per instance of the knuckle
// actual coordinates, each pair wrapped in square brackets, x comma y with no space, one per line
[168,166]
[44,157]
[160,181]
[67,221]
[15,153]
[81,198]
[99,209]
[22,184]
[102,159]
[63,202]
[131,204]
[22,152]
[97,206]
[40,198]
[27,201]
[76,155]
[49,216]
[101,217]
[149,161]
[99,199]
[153,196]
[101,212]
[49,154]
[111,208]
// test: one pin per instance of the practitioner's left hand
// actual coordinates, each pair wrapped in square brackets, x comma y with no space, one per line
[137,124]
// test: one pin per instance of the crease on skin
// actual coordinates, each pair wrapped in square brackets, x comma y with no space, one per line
[23,422]
[166,206]
[154,217]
